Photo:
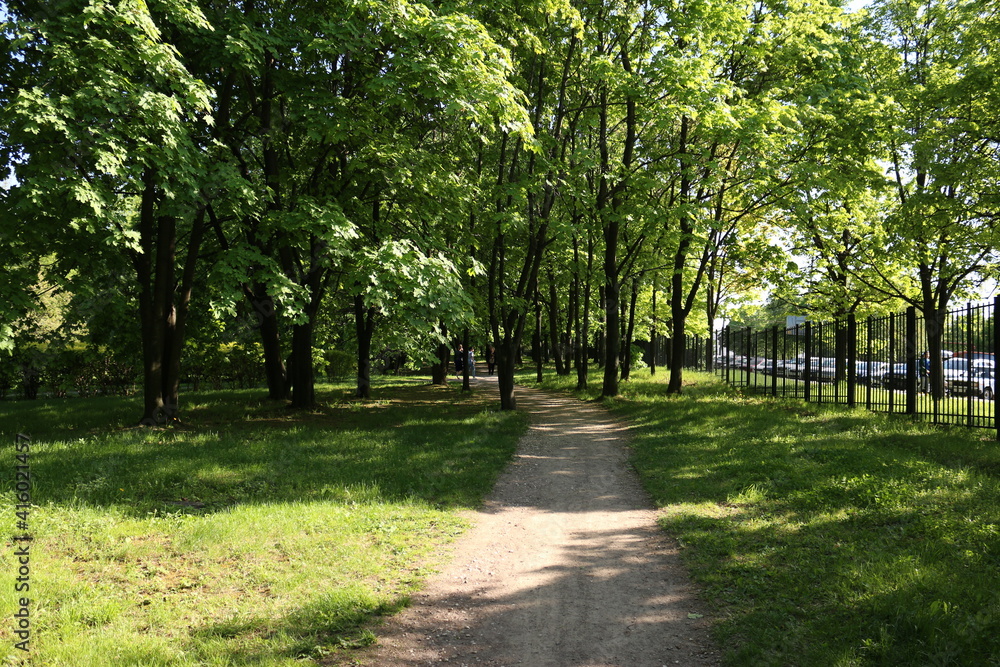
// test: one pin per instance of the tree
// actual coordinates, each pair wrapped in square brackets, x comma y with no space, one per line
[327,113]
[738,141]
[942,156]
[525,171]
[106,131]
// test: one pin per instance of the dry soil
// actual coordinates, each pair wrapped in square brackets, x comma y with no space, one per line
[565,565]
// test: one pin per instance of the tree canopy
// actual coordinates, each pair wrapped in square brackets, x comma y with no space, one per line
[379,176]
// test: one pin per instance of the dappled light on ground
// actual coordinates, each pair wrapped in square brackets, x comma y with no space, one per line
[565,566]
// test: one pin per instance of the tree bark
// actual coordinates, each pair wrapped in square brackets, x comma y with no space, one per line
[300,370]
[653,346]
[364,327]
[439,371]
[582,368]
[538,357]
[154,271]
[275,373]
[611,229]
[553,307]
[465,361]
[678,316]
[172,369]
[629,332]
[505,374]
[602,326]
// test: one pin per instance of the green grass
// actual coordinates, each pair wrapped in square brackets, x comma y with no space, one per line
[822,535]
[249,535]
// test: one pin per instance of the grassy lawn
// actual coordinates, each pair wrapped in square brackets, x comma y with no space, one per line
[249,535]
[822,535]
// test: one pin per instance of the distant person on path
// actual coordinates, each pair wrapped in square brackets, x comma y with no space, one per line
[459,362]
[491,358]
[472,362]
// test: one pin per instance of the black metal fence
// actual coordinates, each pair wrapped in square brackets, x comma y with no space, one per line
[883,364]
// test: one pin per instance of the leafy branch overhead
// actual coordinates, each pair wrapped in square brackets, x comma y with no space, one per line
[381,176]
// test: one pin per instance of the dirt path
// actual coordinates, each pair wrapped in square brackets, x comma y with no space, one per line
[565,565]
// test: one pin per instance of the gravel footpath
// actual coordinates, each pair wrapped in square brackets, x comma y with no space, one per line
[565,565]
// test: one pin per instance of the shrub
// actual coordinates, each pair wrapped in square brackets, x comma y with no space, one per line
[339,363]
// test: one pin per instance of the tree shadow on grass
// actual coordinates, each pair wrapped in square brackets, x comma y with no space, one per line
[828,532]
[593,605]
[411,445]
[334,621]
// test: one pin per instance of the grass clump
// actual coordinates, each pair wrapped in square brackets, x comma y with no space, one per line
[249,535]
[822,535]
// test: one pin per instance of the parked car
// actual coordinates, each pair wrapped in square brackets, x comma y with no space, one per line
[784,367]
[956,369]
[870,372]
[827,371]
[895,377]
[794,368]
[798,370]
[766,366]
[981,384]
[975,356]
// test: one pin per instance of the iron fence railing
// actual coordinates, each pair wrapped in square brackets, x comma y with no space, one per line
[884,364]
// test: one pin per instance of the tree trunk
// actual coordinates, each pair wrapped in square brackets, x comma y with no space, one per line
[364,326]
[609,203]
[270,337]
[506,352]
[154,272]
[572,315]
[678,313]
[553,307]
[172,369]
[934,321]
[653,347]
[582,370]
[629,332]
[602,306]
[465,364]
[711,310]
[612,333]
[612,287]
[300,370]
[439,371]
[840,347]
[539,365]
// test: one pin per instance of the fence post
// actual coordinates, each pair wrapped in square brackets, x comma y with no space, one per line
[746,355]
[870,328]
[806,371]
[911,360]
[729,352]
[819,349]
[996,351]
[852,360]
[774,361]
[969,347]
[892,360]
[818,331]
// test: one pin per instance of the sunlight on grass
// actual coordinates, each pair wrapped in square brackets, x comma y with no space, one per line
[250,535]
[822,535]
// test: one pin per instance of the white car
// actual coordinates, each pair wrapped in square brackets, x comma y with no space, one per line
[871,372]
[981,384]
[956,370]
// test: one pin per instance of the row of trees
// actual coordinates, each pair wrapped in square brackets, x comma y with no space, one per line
[399,174]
